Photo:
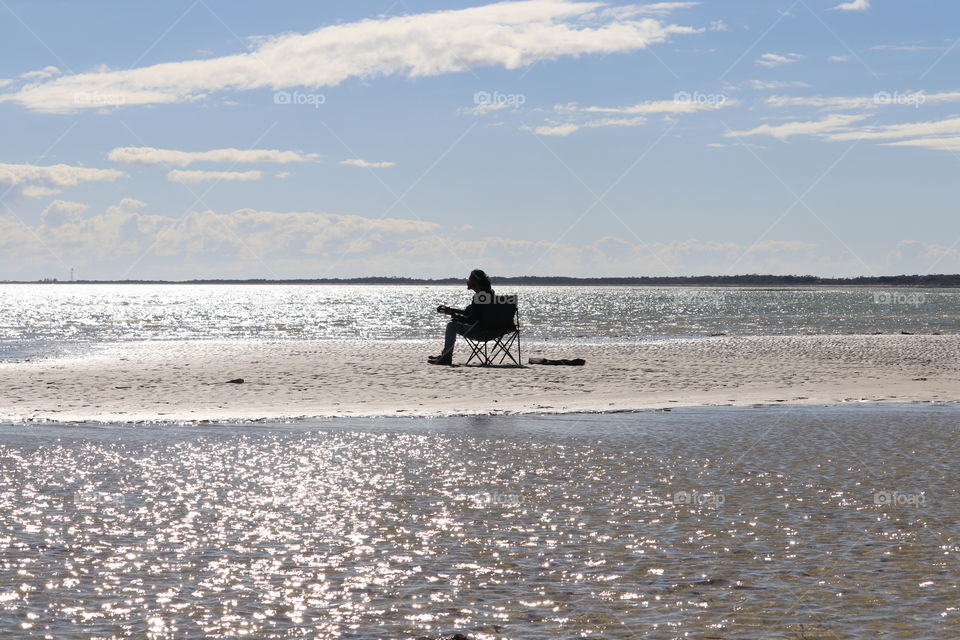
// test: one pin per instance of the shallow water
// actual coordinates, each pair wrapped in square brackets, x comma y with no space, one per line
[705,523]
[49,319]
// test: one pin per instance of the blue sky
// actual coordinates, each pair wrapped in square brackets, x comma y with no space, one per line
[548,137]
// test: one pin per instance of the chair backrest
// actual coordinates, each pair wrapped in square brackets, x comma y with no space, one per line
[499,313]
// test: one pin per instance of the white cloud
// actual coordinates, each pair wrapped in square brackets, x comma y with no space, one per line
[879,99]
[719,25]
[839,58]
[60,212]
[34,181]
[193,177]
[948,127]
[124,231]
[42,74]
[507,34]
[556,129]
[586,117]
[683,102]
[631,11]
[823,102]
[115,233]
[278,234]
[566,129]
[951,143]
[853,5]
[663,8]
[936,134]
[304,244]
[936,258]
[908,47]
[483,108]
[173,158]
[771,60]
[784,131]
[363,164]
[777,84]
[614,256]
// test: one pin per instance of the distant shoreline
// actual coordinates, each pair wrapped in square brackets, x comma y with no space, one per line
[926,281]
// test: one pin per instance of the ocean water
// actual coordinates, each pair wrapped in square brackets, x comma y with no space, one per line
[788,522]
[722,523]
[44,319]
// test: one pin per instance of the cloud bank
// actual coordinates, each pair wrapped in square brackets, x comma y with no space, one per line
[126,240]
[32,181]
[506,34]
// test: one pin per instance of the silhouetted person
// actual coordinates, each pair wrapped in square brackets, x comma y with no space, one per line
[465,321]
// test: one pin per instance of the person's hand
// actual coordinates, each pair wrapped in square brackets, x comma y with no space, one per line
[443,309]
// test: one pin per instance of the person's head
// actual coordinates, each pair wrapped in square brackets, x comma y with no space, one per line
[479,281]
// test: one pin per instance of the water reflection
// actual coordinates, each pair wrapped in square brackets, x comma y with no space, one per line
[746,523]
[38,318]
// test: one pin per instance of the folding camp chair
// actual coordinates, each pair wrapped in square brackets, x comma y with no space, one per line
[492,340]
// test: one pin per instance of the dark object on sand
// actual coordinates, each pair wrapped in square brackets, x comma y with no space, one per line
[235,381]
[576,362]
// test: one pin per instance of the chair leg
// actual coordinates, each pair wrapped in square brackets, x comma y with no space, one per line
[497,353]
[478,350]
[509,350]
[504,349]
[474,351]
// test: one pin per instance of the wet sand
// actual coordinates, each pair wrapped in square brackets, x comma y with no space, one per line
[174,381]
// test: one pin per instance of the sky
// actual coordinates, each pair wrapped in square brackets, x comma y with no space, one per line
[302,139]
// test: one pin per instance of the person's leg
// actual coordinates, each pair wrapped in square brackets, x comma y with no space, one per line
[453,328]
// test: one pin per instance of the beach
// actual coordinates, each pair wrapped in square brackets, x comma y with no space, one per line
[791,478]
[170,381]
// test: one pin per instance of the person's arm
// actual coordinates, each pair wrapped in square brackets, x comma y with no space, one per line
[470,315]
[457,314]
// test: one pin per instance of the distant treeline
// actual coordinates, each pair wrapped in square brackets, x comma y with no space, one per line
[753,280]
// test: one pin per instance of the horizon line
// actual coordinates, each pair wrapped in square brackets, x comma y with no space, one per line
[742,279]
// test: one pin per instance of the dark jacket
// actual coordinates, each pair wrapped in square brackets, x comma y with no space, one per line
[475,311]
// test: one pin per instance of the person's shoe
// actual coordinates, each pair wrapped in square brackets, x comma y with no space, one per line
[441,359]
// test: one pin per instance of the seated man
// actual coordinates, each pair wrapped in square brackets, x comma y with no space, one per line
[468,322]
